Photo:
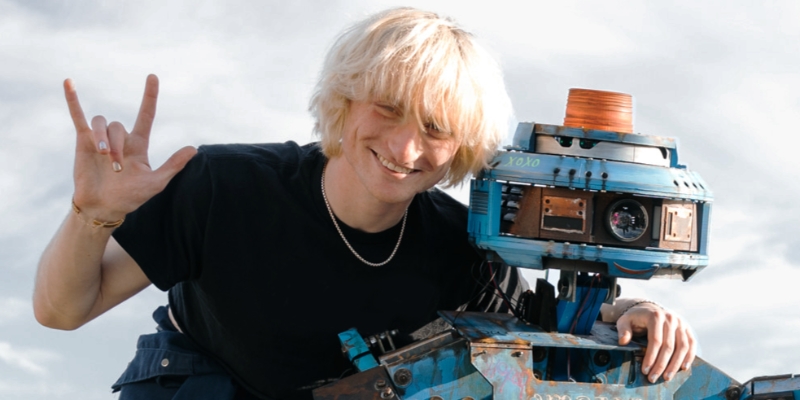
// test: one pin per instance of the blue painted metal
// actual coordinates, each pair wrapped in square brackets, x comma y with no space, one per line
[579,316]
[621,262]
[446,371]
[497,356]
[523,166]
[588,174]
[773,387]
[356,350]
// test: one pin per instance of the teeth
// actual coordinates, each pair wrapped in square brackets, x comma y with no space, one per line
[395,168]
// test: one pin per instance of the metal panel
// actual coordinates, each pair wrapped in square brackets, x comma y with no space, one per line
[598,175]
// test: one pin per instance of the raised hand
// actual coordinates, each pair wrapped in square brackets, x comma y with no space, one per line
[112,171]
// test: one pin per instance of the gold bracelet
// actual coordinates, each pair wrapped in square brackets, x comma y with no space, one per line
[95,223]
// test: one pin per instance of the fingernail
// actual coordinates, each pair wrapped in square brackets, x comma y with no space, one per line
[646,370]
[653,378]
[668,376]
[102,145]
[116,166]
[686,366]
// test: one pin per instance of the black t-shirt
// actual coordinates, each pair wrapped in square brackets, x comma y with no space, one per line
[259,277]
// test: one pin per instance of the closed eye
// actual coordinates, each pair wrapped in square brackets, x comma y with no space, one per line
[434,131]
[387,110]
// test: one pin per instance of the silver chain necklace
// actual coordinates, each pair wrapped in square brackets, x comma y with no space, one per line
[352,250]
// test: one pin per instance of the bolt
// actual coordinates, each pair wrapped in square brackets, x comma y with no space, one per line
[380,384]
[402,377]
[387,393]
[602,358]
[733,393]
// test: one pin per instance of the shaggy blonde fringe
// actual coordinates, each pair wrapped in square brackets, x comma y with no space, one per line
[426,65]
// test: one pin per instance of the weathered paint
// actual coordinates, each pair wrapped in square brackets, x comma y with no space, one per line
[356,350]
[492,356]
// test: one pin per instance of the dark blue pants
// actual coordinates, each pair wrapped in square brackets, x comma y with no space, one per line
[168,366]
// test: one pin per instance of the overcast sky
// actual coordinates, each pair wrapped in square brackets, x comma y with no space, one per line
[722,77]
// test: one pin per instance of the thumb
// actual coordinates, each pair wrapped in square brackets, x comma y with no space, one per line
[175,164]
[624,330]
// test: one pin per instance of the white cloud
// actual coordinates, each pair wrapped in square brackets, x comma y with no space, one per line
[32,361]
[720,77]
[12,308]
[12,389]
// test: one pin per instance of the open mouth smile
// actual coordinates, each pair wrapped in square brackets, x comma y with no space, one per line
[396,168]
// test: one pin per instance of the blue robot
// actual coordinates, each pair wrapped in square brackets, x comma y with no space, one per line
[596,205]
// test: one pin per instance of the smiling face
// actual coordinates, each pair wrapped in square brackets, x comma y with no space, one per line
[392,154]
[428,64]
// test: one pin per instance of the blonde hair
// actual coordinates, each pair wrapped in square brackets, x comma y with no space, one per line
[423,63]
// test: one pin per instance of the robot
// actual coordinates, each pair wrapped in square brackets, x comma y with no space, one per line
[597,202]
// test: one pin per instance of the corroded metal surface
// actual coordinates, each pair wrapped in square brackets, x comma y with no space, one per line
[445,371]
[368,385]
[504,330]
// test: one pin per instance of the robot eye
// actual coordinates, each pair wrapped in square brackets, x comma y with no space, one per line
[626,220]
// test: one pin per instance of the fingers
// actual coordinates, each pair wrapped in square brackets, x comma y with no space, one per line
[692,353]
[116,142]
[100,131]
[175,164]
[655,339]
[682,344]
[75,110]
[624,330]
[147,111]
[665,350]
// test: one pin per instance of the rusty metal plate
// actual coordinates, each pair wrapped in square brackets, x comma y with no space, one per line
[564,214]
[526,223]
[372,384]
[678,223]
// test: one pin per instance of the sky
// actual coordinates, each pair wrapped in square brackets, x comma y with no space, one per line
[721,77]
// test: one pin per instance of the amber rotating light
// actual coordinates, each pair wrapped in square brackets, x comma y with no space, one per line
[597,109]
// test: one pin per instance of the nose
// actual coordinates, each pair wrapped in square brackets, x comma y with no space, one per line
[405,143]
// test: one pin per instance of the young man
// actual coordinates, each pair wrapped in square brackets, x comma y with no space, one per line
[268,251]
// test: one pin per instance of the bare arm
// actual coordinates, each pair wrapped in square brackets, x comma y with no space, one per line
[83,271]
[82,274]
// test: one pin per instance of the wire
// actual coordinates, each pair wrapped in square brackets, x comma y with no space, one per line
[481,283]
[502,293]
[583,303]
[578,316]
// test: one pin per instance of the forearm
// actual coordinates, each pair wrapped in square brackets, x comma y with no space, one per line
[69,276]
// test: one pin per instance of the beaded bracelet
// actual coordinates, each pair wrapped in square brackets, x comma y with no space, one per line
[95,223]
[640,302]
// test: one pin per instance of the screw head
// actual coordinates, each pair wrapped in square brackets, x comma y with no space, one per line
[733,393]
[402,377]
[602,358]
